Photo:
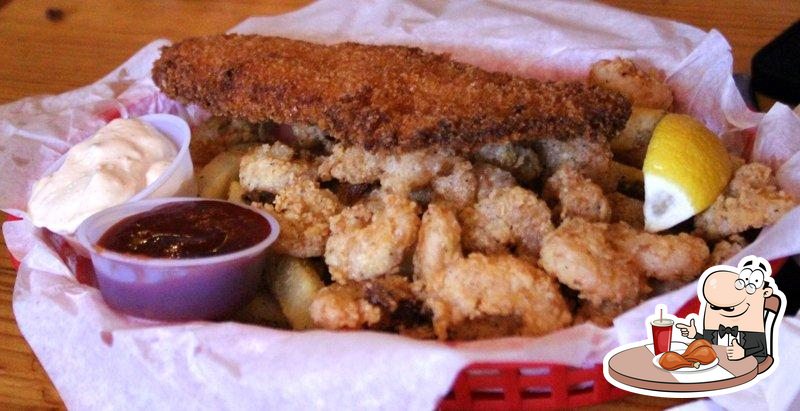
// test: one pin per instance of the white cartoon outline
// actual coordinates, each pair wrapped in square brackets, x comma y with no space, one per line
[769,281]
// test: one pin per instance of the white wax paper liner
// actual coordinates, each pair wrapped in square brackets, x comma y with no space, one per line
[98,358]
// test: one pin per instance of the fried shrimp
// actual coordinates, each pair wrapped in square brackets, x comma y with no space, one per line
[352,165]
[507,217]
[608,263]
[520,161]
[751,200]
[462,289]
[273,167]
[458,187]
[359,93]
[592,158]
[491,178]
[577,196]
[584,257]
[303,211]
[642,88]
[386,303]
[726,248]
[370,238]
[679,257]
[405,172]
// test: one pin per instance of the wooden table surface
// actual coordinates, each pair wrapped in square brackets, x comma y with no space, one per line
[77,42]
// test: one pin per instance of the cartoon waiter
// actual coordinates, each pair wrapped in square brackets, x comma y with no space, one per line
[733,309]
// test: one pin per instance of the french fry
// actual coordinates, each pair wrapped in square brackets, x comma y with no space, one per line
[263,309]
[236,192]
[216,176]
[630,145]
[294,282]
[630,180]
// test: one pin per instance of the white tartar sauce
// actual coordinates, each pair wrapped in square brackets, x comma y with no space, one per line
[107,169]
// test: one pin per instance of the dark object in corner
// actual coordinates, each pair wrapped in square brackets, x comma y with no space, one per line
[776,67]
[54,14]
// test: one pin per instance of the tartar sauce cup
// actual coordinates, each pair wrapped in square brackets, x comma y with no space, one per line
[201,288]
[176,181]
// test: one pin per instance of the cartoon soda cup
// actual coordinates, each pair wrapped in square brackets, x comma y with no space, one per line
[662,335]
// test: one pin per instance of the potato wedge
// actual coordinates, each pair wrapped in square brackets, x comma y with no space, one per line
[294,282]
[216,176]
[263,309]
[236,192]
[630,145]
[630,180]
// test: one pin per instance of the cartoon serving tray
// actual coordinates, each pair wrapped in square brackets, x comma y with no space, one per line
[740,312]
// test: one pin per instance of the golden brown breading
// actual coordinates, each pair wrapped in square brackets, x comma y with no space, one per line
[273,167]
[584,257]
[522,162]
[458,187]
[602,314]
[491,178]
[678,257]
[481,287]
[385,303]
[608,263]
[370,238]
[644,89]
[630,145]
[626,209]
[380,97]
[593,158]
[508,217]
[751,200]
[577,196]
[726,248]
[303,211]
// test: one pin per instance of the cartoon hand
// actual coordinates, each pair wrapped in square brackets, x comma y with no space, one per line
[688,331]
[735,351]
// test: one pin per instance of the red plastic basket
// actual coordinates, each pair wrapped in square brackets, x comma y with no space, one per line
[494,386]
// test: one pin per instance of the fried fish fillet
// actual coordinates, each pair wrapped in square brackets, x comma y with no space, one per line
[380,97]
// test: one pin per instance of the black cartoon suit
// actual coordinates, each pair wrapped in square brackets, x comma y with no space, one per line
[754,343]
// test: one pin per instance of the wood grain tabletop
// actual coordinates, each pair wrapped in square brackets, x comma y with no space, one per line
[48,47]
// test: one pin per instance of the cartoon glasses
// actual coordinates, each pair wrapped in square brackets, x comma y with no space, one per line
[750,279]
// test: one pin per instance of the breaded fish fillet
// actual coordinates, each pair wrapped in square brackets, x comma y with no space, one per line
[381,97]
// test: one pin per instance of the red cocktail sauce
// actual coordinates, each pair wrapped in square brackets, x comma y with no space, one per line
[189,229]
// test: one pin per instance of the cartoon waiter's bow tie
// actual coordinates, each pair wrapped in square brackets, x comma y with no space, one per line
[732,331]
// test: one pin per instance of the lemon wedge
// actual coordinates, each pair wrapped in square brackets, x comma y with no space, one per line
[686,167]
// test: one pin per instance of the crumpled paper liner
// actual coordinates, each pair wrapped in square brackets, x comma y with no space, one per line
[98,358]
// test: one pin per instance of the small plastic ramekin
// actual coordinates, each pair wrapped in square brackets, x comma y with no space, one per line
[204,288]
[176,181]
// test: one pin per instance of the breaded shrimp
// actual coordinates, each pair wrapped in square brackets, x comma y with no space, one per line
[458,187]
[642,88]
[679,257]
[351,164]
[726,248]
[507,217]
[593,158]
[460,289]
[751,200]
[491,178]
[303,211]
[405,172]
[576,196]
[584,257]
[370,238]
[273,167]
[608,263]
[386,303]
[520,161]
